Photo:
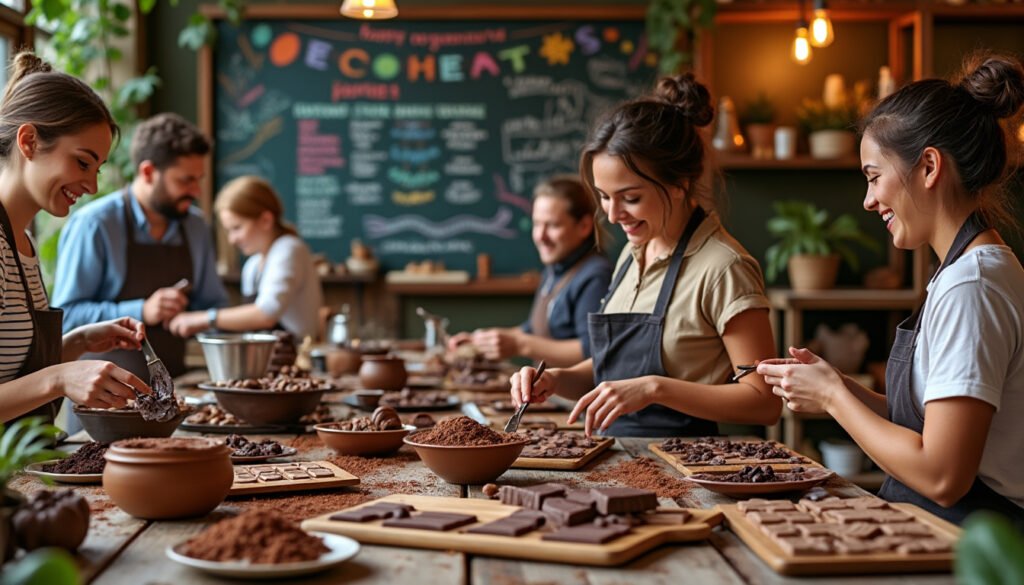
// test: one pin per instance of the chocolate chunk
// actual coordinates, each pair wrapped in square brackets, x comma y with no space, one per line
[516,524]
[533,497]
[296,474]
[867,503]
[861,531]
[817,507]
[587,534]
[779,530]
[853,547]
[581,496]
[829,530]
[761,505]
[804,546]
[766,517]
[271,476]
[509,495]
[623,500]
[797,517]
[320,472]
[439,521]
[531,515]
[907,529]
[563,512]
[374,511]
[248,478]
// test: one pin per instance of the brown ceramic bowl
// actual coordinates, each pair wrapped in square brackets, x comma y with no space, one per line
[342,360]
[362,442]
[107,426]
[467,465]
[368,398]
[266,407]
[384,372]
[162,478]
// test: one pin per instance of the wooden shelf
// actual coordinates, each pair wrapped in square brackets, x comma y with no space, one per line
[843,299]
[236,278]
[946,12]
[497,286]
[728,161]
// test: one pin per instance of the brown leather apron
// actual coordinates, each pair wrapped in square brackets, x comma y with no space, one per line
[150,267]
[47,345]
[543,300]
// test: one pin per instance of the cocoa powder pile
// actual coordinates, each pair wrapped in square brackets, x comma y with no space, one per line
[644,474]
[87,459]
[295,508]
[463,431]
[259,536]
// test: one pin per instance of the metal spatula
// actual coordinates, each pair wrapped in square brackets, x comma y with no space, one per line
[513,423]
[161,406]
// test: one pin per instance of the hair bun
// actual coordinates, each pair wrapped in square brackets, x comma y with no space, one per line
[995,81]
[688,95]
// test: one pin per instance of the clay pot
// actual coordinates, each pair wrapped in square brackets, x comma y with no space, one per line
[471,465]
[384,372]
[762,140]
[364,443]
[812,272]
[832,144]
[159,479]
[342,360]
[368,398]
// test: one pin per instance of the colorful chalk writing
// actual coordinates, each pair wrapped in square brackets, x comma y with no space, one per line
[421,138]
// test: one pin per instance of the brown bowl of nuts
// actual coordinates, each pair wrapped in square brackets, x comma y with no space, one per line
[281,399]
[378,434]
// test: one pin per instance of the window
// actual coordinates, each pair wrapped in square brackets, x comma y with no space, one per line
[14,34]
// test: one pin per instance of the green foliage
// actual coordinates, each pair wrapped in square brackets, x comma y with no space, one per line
[759,111]
[666,19]
[990,552]
[814,115]
[805,229]
[28,440]
[45,566]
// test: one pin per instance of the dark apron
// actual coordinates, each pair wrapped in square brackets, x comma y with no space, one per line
[628,345]
[541,311]
[150,267]
[47,347]
[904,412]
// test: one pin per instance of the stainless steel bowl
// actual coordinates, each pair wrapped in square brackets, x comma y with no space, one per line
[237,356]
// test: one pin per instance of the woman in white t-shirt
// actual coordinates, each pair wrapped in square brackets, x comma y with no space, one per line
[948,431]
[280,284]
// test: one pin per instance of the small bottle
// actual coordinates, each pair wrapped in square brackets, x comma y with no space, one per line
[886,84]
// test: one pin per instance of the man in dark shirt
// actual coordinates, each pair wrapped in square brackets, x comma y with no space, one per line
[576,276]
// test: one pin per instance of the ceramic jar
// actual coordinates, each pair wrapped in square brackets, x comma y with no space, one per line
[159,479]
[384,372]
[342,360]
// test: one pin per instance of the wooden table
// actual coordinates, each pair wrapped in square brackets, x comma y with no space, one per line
[123,550]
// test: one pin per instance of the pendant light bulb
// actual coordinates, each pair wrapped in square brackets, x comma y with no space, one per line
[822,34]
[369,9]
[801,50]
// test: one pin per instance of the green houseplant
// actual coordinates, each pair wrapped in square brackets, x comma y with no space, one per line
[28,440]
[829,128]
[990,552]
[810,246]
[672,27]
[758,117]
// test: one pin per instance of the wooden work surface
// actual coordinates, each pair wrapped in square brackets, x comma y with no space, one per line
[120,549]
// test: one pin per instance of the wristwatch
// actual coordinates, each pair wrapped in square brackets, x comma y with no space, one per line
[211,318]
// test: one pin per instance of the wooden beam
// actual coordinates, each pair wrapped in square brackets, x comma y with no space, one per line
[455,13]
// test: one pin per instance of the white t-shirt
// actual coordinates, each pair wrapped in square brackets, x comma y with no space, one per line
[288,285]
[15,322]
[971,343]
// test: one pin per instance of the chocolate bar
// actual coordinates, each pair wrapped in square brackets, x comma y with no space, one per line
[623,500]
[439,521]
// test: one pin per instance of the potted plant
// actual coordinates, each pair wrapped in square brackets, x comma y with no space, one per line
[759,118]
[810,245]
[829,128]
[28,440]
[672,27]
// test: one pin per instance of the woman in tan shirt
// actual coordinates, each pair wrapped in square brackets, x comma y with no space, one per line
[687,303]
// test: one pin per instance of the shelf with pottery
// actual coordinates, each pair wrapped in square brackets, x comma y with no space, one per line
[524,284]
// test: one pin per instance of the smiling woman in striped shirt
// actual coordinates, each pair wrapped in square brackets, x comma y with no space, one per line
[55,133]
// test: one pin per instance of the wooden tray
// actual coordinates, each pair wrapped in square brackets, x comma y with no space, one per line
[564,464]
[341,478]
[691,468]
[526,547]
[836,564]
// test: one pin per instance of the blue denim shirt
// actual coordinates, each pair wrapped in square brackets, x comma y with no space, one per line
[568,311]
[92,263]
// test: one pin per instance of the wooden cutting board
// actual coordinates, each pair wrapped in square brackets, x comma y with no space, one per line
[836,564]
[341,478]
[526,547]
[691,468]
[564,464]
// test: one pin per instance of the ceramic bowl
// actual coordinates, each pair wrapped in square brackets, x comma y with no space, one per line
[362,442]
[384,372]
[267,407]
[470,464]
[163,478]
[368,398]
[107,426]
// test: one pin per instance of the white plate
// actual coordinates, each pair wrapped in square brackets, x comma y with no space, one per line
[342,548]
[37,469]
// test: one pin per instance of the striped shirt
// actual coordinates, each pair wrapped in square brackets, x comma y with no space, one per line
[15,322]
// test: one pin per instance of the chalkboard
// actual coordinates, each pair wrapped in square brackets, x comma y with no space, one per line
[423,139]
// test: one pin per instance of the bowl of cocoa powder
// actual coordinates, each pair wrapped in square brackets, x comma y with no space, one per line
[461,450]
[378,434]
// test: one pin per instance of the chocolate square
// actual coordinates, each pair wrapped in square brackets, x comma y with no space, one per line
[271,476]
[582,496]
[318,472]
[246,478]
[867,503]
[849,546]
[587,534]
[438,521]
[374,511]
[804,546]
[762,505]
[824,530]
[296,474]
[563,512]
[516,524]
[861,531]
[533,497]
[780,530]
[623,500]
[766,518]
[907,529]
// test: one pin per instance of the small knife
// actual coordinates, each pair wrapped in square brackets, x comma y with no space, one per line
[513,423]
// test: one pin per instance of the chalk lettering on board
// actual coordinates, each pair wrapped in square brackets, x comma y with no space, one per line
[324,186]
[412,198]
[413,179]
[463,165]
[376,226]
[413,156]
[364,194]
[463,135]
[261,166]
[425,247]
[462,192]
[504,195]
[460,111]
[607,73]
[238,127]
[315,220]
[265,133]
[321,111]
[251,95]
[366,164]
[317,152]
[365,134]
[413,133]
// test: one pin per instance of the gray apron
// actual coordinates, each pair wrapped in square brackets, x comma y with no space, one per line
[628,345]
[904,412]
[150,267]
[540,312]
[47,345]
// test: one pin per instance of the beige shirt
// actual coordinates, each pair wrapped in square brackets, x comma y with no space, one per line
[718,280]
